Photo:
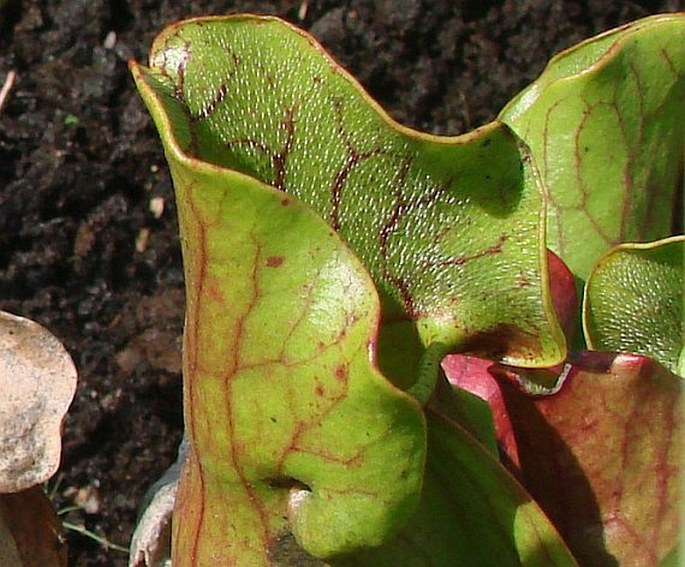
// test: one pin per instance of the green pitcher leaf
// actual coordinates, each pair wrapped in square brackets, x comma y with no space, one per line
[280,162]
[451,229]
[292,426]
[604,123]
[472,513]
[634,302]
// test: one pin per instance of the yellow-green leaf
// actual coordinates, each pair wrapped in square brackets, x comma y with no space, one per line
[604,123]
[634,302]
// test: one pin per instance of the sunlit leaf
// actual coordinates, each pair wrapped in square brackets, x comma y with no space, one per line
[634,302]
[604,123]
[430,218]
[280,162]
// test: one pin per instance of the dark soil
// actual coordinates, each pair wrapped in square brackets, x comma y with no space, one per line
[82,253]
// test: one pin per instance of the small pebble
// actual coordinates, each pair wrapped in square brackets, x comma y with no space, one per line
[110,40]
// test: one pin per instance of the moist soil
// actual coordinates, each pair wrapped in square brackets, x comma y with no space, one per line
[88,231]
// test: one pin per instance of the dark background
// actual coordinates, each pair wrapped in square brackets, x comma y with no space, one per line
[82,253]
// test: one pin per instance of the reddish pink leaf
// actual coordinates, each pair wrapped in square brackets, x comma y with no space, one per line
[472,374]
[564,294]
[601,456]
